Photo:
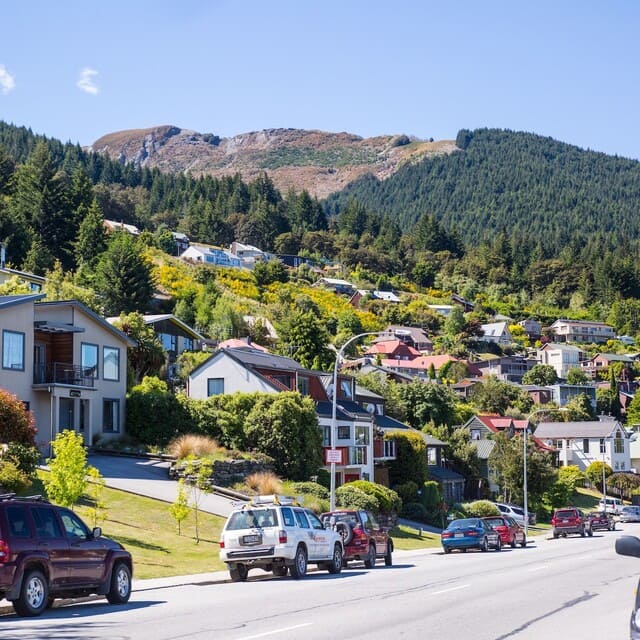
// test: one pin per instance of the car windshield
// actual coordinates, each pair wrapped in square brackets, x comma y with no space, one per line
[495,522]
[252,518]
[346,516]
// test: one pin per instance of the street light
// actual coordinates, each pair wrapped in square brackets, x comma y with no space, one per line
[524,462]
[333,454]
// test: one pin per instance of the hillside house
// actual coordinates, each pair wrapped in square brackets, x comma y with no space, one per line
[497,333]
[365,294]
[67,365]
[34,282]
[561,357]
[214,256]
[249,370]
[506,368]
[336,285]
[582,331]
[113,225]
[413,336]
[581,443]
[392,349]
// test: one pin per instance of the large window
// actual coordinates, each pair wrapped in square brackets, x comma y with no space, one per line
[618,445]
[110,416]
[110,363]
[215,386]
[603,446]
[89,359]
[303,385]
[362,435]
[13,350]
[585,445]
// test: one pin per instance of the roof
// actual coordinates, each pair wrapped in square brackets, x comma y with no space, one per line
[561,346]
[420,364]
[572,430]
[237,343]
[24,275]
[494,329]
[161,317]
[365,393]
[440,473]
[483,447]
[614,357]
[390,345]
[10,301]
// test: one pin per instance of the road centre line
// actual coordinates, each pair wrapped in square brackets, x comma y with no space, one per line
[462,586]
[275,631]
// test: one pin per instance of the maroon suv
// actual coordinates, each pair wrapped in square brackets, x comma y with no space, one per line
[570,520]
[48,552]
[362,537]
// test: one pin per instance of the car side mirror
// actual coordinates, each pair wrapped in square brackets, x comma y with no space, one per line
[97,532]
[628,546]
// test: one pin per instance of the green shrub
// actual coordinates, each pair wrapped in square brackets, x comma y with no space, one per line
[310,488]
[414,511]
[559,494]
[572,474]
[387,499]
[408,491]
[431,498]
[351,497]
[26,458]
[12,479]
[411,458]
[16,424]
[324,478]
[481,509]
[594,472]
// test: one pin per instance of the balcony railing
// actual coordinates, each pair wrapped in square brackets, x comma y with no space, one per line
[64,373]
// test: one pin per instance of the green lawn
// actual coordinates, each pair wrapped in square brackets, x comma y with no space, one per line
[147,529]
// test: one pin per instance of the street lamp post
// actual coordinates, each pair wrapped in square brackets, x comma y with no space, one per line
[525,435]
[334,407]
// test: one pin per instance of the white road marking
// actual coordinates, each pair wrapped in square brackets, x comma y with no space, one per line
[544,566]
[462,586]
[275,631]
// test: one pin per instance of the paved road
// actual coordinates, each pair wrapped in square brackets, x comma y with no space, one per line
[150,478]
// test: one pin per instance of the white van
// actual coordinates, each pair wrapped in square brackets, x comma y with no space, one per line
[611,505]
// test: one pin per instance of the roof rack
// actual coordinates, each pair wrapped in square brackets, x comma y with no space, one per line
[258,501]
[13,496]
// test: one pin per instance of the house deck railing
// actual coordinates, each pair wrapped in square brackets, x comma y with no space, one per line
[64,373]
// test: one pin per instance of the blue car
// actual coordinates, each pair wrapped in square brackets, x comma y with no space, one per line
[470,533]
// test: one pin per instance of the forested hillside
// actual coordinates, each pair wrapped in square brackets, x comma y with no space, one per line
[534,189]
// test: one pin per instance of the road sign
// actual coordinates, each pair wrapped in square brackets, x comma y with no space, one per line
[333,455]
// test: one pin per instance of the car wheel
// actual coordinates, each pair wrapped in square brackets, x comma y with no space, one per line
[498,546]
[484,545]
[447,549]
[555,535]
[388,560]
[582,532]
[335,566]
[239,573]
[120,589]
[346,532]
[370,560]
[33,597]
[523,544]
[590,532]
[299,567]
[280,571]
[613,526]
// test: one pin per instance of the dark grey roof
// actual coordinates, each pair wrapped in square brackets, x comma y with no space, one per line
[387,422]
[569,430]
[255,358]
[440,473]
[365,393]
[9,301]
[325,409]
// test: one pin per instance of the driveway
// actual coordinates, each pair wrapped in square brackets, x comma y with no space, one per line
[147,477]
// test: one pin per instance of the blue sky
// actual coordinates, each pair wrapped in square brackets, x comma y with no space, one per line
[563,68]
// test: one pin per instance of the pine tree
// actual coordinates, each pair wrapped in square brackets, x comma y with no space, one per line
[91,240]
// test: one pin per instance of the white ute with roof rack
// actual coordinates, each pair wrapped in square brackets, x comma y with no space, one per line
[275,533]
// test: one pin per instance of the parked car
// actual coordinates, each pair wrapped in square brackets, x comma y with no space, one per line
[275,534]
[516,512]
[630,546]
[470,533]
[510,531]
[570,520]
[612,505]
[48,552]
[601,520]
[362,537]
[629,513]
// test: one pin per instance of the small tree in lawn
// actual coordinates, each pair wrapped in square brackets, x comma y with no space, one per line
[180,508]
[198,475]
[68,468]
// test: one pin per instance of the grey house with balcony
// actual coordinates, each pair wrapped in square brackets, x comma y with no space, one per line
[66,364]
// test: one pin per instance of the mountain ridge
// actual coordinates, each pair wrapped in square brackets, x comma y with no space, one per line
[319,162]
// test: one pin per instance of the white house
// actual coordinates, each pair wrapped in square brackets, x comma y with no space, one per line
[214,256]
[583,331]
[496,332]
[561,357]
[581,443]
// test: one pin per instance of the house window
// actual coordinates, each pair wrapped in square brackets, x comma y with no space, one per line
[475,434]
[603,446]
[110,363]
[110,416]
[89,359]
[303,385]
[326,436]
[585,445]
[345,387]
[169,342]
[13,350]
[283,380]
[389,448]
[357,455]
[344,433]
[362,435]
[618,445]
[215,386]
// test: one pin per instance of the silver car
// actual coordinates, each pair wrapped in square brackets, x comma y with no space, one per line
[629,514]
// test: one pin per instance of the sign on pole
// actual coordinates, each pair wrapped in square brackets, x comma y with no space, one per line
[333,456]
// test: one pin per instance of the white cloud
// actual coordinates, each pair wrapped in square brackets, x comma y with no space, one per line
[7,81]
[85,81]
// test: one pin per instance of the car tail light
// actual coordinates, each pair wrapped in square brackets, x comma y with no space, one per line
[446,534]
[282,536]
[222,544]
[472,532]
[4,551]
